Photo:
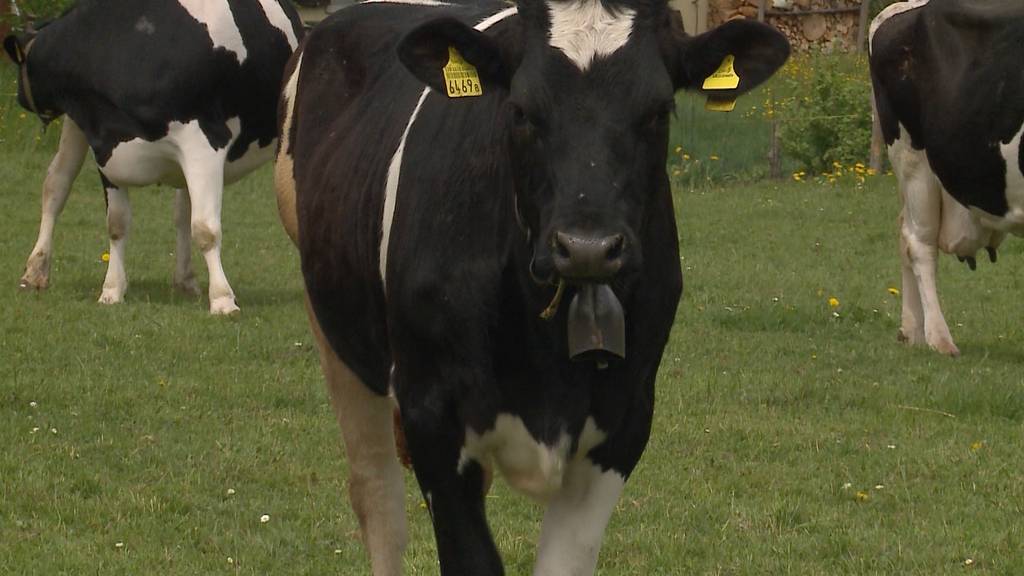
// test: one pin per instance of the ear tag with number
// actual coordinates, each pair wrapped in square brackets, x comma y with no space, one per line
[724,78]
[460,77]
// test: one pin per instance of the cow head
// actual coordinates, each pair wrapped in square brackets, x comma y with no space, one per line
[17,48]
[589,88]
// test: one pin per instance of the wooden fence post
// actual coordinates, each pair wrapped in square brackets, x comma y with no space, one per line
[760,10]
[862,27]
[775,152]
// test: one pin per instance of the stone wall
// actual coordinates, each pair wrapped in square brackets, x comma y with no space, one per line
[820,31]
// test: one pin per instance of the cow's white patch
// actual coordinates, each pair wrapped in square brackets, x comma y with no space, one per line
[529,466]
[145,26]
[585,29]
[889,12]
[575,520]
[139,162]
[1014,221]
[395,168]
[220,25]
[278,19]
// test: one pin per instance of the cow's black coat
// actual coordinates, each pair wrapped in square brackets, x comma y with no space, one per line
[127,69]
[485,184]
[950,72]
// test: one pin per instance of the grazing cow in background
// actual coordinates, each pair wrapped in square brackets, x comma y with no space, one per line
[435,230]
[178,92]
[949,87]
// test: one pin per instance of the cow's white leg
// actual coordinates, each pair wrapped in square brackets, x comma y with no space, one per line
[375,485]
[204,174]
[184,277]
[921,220]
[575,521]
[912,318]
[62,172]
[119,221]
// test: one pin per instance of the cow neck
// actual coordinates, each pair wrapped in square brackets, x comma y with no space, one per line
[26,88]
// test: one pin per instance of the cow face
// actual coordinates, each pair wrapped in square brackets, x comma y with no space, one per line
[17,48]
[589,87]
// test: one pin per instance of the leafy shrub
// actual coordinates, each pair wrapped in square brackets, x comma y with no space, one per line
[826,119]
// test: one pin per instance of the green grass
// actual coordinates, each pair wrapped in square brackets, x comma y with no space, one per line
[772,414]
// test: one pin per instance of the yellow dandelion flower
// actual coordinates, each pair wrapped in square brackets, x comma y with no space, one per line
[833,302]
[679,149]
[894,291]
[797,177]
[862,496]
[686,156]
[714,157]
[105,257]
[975,446]
[872,172]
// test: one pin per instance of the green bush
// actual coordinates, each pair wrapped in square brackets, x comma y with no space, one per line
[826,120]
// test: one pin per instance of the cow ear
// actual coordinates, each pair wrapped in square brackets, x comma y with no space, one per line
[756,50]
[425,52]
[14,49]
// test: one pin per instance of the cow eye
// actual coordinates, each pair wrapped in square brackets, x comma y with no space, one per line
[658,116]
[522,119]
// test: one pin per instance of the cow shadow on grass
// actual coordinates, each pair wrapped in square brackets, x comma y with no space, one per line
[159,291]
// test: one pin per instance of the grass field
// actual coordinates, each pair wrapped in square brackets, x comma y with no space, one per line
[150,438]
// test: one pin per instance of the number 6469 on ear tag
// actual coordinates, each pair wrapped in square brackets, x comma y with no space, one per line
[460,77]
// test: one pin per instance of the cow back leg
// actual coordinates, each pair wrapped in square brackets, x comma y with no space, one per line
[575,520]
[375,481]
[184,277]
[204,174]
[61,174]
[119,221]
[921,219]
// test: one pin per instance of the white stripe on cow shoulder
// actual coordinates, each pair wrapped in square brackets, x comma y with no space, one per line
[585,29]
[889,12]
[278,19]
[395,168]
[220,25]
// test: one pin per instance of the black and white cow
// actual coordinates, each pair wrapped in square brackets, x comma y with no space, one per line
[949,88]
[179,92]
[435,231]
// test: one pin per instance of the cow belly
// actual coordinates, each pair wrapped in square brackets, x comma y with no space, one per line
[140,163]
[531,467]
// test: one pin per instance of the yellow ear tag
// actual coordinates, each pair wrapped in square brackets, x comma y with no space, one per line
[720,105]
[724,78]
[460,77]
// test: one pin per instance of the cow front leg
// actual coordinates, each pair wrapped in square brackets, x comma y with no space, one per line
[453,490]
[61,174]
[575,520]
[375,482]
[119,220]
[184,277]
[204,174]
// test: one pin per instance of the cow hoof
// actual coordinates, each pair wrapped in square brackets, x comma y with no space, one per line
[947,347]
[33,282]
[111,297]
[224,307]
[188,287]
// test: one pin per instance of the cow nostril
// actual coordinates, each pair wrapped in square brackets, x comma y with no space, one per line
[616,245]
[561,244]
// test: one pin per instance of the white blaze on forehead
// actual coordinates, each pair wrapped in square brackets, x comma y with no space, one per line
[395,168]
[585,30]
[889,12]
[278,19]
[220,25]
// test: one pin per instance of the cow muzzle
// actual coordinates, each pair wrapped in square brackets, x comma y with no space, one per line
[587,259]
